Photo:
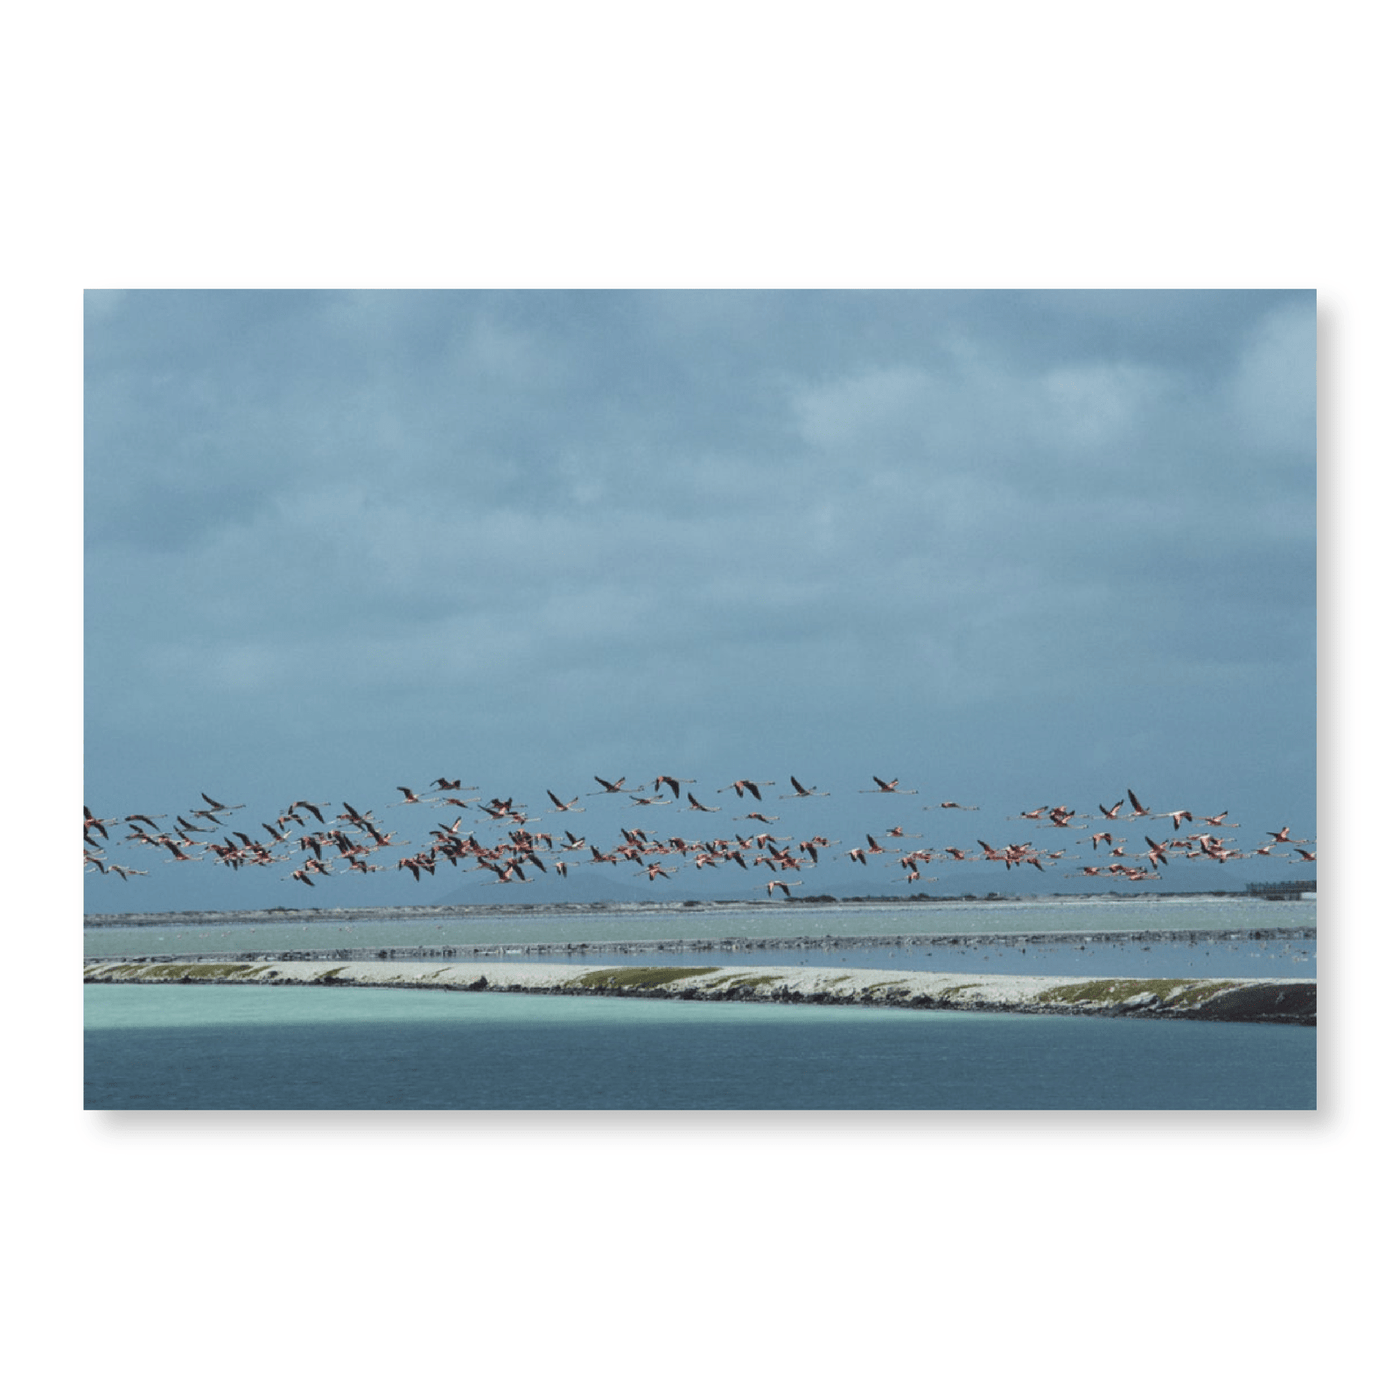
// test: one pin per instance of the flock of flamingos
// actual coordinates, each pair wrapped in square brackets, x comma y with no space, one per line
[320,842]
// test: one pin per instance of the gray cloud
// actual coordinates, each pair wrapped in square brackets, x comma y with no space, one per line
[1034,537]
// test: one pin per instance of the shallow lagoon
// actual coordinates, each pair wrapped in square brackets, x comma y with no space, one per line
[252,1047]
[1096,937]
[298,1048]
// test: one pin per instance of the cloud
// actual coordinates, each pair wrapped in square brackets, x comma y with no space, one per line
[1273,394]
[340,533]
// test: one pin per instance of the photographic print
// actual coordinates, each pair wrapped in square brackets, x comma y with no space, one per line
[700,700]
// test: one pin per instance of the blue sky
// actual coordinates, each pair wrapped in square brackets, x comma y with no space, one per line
[1011,548]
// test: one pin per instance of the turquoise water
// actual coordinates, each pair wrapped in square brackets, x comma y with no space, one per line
[260,1047]
[297,1048]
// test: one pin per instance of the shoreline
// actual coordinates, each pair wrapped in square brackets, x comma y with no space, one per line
[1275,1000]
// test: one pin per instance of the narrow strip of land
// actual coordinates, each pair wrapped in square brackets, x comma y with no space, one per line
[1278,1000]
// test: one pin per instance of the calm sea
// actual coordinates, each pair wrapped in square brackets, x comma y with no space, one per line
[254,1047]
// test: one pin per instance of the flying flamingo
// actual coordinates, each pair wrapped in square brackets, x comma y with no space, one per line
[674,783]
[892,788]
[800,791]
[744,782]
[219,806]
[1156,852]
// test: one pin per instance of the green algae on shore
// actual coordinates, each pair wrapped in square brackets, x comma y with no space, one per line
[635,978]
[1177,991]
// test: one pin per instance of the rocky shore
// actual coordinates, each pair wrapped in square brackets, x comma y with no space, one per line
[1269,1000]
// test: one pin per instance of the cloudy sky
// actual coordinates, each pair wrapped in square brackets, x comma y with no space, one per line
[1010,548]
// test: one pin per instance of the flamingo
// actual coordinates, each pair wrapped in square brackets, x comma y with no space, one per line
[892,788]
[783,885]
[1156,851]
[219,806]
[739,784]
[674,783]
[1138,808]
[800,791]
[608,786]
[696,806]
[563,806]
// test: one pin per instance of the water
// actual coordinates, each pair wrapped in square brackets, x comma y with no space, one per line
[253,1047]
[296,1048]
[1116,937]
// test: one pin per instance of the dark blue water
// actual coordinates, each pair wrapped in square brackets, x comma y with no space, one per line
[297,1048]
